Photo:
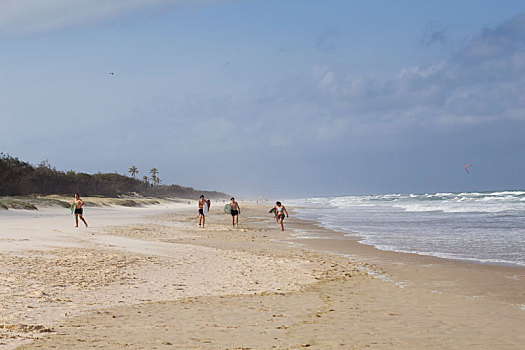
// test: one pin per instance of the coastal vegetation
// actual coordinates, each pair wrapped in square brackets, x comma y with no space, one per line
[133,171]
[20,178]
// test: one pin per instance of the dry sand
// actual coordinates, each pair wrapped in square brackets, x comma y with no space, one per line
[150,278]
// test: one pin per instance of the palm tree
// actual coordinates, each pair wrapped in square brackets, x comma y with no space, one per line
[154,178]
[133,170]
[145,179]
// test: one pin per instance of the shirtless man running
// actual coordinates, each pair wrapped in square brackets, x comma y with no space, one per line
[78,203]
[235,211]
[202,217]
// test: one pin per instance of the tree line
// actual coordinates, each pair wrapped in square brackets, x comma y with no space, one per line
[154,178]
[20,178]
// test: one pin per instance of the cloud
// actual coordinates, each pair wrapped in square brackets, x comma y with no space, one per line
[30,16]
[434,37]
[326,41]
[306,125]
[332,107]
[483,82]
[434,34]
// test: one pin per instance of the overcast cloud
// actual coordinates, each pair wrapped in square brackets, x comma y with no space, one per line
[32,16]
[211,98]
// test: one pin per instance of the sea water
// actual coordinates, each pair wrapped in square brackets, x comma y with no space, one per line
[484,227]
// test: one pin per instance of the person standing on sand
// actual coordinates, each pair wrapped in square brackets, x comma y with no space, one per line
[235,211]
[78,203]
[280,210]
[202,218]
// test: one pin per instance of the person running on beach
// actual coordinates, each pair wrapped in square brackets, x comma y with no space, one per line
[235,211]
[202,217]
[280,210]
[78,203]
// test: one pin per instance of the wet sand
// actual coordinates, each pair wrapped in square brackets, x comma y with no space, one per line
[156,280]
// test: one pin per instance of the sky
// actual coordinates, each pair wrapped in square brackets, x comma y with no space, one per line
[280,98]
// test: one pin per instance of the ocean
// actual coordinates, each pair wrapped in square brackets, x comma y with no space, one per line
[483,227]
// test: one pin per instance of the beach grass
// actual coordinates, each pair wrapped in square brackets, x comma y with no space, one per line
[36,202]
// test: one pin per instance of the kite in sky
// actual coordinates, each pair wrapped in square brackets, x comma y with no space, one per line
[466,168]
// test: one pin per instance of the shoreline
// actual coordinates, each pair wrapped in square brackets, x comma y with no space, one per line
[475,227]
[394,263]
[430,254]
[255,287]
[371,247]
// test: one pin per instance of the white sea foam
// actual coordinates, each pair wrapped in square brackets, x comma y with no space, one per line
[483,227]
[447,202]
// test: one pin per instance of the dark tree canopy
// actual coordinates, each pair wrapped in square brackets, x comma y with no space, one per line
[19,178]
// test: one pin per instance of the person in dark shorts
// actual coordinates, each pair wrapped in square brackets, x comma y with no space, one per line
[235,211]
[202,217]
[79,211]
[280,210]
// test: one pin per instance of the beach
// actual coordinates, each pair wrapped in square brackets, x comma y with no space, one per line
[146,278]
